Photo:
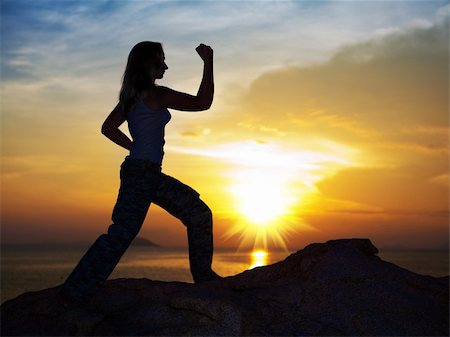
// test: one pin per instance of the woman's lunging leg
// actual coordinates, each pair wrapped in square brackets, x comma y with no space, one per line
[102,257]
[198,221]
[183,202]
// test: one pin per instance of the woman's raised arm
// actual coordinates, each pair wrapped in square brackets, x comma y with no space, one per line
[182,101]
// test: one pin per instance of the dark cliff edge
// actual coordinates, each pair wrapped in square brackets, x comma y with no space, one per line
[336,288]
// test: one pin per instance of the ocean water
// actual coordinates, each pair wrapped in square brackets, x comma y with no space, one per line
[32,268]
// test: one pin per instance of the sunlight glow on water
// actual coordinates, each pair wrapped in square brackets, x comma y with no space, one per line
[31,269]
[259,258]
[28,269]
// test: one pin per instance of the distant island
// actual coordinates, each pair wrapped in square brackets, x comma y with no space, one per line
[140,241]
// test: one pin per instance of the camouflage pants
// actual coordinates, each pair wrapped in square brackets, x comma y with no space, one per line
[142,182]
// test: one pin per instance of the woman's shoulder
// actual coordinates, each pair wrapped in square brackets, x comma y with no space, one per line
[152,97]
[160,91]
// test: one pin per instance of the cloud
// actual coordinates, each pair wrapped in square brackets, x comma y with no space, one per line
[441,179]
[379,89]
[190,134]
[397,189]
[387,96]
[49,38]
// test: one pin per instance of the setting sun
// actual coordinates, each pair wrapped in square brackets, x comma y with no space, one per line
[262,196]
[269,186]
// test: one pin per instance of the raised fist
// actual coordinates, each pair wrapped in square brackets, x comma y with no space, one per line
[205,52]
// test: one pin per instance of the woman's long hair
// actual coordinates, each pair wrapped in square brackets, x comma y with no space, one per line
[144,57]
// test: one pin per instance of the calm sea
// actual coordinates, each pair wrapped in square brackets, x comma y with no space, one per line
[31,268]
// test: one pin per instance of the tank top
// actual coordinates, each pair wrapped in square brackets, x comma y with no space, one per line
[146,127]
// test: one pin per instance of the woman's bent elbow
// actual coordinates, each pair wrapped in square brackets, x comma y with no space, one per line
[206,105]
[105,130]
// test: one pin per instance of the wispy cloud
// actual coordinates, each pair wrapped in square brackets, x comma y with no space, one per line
[52,38]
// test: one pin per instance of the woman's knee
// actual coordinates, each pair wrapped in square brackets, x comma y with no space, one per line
[198,213]
[205,208]
[125,234]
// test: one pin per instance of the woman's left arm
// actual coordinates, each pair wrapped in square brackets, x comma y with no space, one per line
[110,128]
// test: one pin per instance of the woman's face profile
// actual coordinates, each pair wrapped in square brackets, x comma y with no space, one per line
[161,68]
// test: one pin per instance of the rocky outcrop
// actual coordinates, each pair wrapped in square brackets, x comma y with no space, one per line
[140,241]
[335,288]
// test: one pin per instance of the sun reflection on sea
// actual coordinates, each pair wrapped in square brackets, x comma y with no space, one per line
[258,258]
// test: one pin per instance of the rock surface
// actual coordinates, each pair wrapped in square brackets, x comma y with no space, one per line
[329,289]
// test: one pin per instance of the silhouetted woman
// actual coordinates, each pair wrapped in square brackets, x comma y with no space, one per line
[143,104]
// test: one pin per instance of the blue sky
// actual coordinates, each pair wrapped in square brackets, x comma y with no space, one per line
[77,50]
[79,38]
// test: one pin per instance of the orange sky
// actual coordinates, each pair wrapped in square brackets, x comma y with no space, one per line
[352,146]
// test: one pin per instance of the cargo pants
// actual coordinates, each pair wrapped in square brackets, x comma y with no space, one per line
[142,182]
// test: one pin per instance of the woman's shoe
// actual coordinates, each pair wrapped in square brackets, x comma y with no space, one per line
[211,276]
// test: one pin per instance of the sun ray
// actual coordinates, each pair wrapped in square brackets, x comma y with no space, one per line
[270,186]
